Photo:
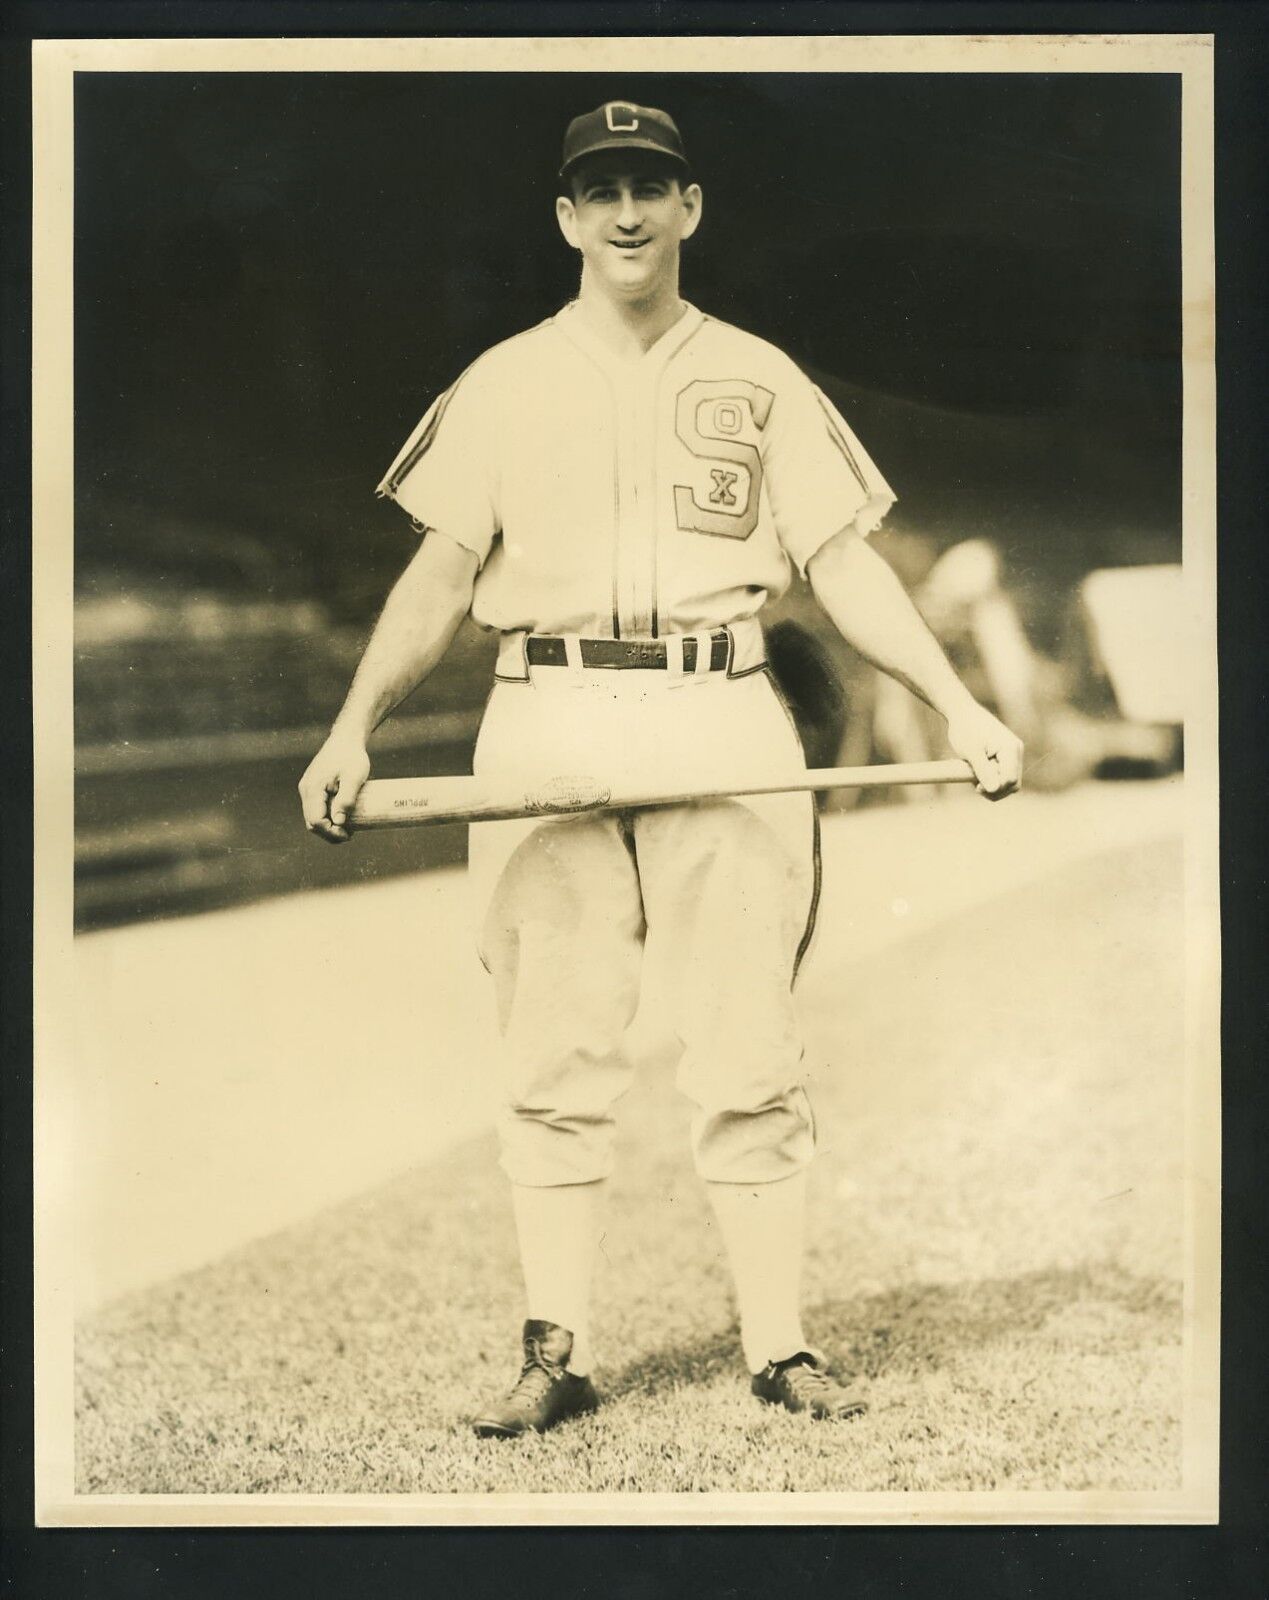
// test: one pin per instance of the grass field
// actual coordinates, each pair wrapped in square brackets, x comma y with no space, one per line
[995,1247]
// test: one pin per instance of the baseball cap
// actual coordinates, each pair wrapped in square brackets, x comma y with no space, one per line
[619,125]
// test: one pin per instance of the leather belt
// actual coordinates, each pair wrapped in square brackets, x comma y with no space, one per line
[546,650]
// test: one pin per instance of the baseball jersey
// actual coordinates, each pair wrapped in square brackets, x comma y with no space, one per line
[630,497]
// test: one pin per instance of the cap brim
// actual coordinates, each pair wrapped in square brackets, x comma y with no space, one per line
[623,144]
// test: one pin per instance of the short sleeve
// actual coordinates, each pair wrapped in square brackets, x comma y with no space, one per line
[445,474]
[820,479]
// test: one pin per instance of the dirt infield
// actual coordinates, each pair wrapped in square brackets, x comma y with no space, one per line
[996,1247]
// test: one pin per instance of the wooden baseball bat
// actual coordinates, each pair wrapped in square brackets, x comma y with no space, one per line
[410,802]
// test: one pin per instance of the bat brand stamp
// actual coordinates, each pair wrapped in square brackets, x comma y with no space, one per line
[568,794]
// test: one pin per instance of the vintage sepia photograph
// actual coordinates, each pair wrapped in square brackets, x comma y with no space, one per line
[625,708]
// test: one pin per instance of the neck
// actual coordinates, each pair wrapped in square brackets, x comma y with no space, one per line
[629,327]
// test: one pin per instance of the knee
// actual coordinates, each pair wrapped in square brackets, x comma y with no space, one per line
[543,1148]
[756,1143]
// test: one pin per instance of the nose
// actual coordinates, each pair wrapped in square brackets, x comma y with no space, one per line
[629,214]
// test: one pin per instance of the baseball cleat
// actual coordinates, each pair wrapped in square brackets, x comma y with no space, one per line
[545,1393]
[802,1383]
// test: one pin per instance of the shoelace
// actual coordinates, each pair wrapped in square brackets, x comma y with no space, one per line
[536,1375]
[808,1382]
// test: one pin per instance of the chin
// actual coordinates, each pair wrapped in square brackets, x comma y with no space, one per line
[639,282]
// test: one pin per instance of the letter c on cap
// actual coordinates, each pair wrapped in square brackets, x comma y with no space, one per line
[620,127]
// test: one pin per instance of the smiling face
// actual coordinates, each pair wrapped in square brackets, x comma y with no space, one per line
[627,214]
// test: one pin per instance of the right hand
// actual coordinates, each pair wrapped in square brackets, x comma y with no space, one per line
[331,783]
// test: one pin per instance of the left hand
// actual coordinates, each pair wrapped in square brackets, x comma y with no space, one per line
[994,753]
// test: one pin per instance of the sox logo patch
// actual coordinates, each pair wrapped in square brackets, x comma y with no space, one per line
[719,420]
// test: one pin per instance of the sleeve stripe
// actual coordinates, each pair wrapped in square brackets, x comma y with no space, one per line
[418,446]
[835,434]
[420,442]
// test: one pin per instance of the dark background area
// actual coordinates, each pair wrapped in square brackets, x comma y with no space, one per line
[277,272]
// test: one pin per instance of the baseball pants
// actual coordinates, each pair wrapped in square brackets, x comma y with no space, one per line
[565,904]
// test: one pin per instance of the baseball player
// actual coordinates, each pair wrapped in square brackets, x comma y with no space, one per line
[617,492]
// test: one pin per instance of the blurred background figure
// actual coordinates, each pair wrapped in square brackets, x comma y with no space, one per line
[1083,712]
[1107,703]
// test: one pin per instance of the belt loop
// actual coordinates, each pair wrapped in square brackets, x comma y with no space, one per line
[573,651]
[513,657]
[674,654]
[704,644]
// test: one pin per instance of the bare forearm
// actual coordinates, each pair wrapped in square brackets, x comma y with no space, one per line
[422,614]
[871,609]
[415,628]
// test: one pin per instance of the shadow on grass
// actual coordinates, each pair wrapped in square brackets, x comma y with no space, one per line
[175,1397]
[678,1366]
[920,1328]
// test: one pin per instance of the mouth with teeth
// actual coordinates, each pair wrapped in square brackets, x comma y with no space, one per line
[628,244]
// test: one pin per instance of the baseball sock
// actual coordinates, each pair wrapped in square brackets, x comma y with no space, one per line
[559,1232]
[762,1225]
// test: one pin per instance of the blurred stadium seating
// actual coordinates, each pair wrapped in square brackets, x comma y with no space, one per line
[158,679]
[195,713]
[148,673]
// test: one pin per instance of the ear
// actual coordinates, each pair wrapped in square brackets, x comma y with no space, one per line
[692,203]
[566,216]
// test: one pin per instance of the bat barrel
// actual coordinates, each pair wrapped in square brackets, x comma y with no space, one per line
[411,802]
